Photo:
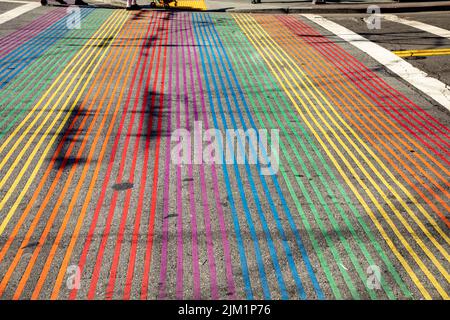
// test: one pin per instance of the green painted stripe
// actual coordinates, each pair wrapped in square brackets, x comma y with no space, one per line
[388,291]
[378,248]
[57,59]
[316,214]
[367,230]
[335,224]
[240,56]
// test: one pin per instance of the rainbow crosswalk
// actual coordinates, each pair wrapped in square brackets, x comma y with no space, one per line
[87,117]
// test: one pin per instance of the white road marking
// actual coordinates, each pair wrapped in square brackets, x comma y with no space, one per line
[418,25]
[14,13]
[434,88]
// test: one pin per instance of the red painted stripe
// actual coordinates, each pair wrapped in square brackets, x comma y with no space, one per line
[143,53]
[132,258]
[98,264]
[148,254]
[113,272]
[325,45]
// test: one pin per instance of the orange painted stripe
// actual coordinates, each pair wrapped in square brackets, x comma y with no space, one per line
[41,184]
[158,86]
[45,202]
[120,62]
[60,277]
[146,166]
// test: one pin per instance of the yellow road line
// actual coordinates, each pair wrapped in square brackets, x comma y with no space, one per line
[422,53]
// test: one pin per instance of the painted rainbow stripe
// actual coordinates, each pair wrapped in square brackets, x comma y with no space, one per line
[88,181]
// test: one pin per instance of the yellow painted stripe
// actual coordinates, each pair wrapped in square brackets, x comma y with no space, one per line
[113,61]
[369,150]
[294,86]
[123,81]
[422,53]
[111,29]
[430,219]
[367,161]
[82,56]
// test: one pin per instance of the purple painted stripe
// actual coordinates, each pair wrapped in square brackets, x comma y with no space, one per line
[24,34]
[166,194]
[219,208]
[179,289]
[30,29]
[204,192]
[194,230]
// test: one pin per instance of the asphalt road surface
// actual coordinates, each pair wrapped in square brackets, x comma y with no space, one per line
[115,183]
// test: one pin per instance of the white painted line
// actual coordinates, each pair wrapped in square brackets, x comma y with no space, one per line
[14,13]
[418,25]
[436,89]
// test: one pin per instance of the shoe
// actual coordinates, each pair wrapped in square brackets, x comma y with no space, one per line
[135,7]
[60,1]
[81,3]
[44,2]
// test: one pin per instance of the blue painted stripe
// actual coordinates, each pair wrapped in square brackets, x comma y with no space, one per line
[258,255]
[24,55]
[263,221]
[274,179]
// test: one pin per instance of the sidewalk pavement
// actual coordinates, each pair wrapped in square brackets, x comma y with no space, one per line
[285,6]
[306,6]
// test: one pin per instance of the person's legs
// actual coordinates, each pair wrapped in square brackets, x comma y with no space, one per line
[132,5]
